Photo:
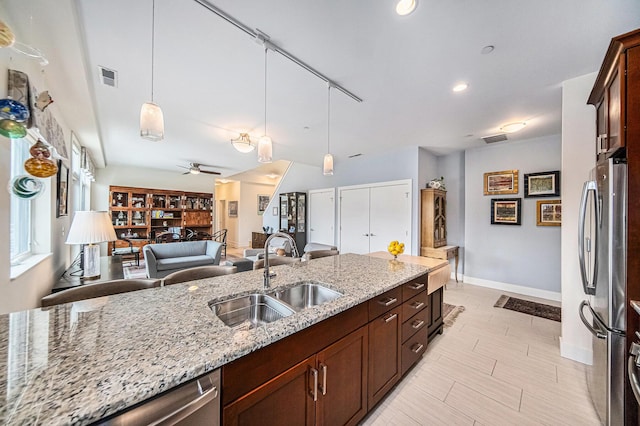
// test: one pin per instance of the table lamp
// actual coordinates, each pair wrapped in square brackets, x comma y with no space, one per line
[91,227]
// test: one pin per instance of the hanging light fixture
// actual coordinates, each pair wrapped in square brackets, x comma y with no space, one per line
[265,146]
[243,143]
[327,165]
[405,7]
[151,118]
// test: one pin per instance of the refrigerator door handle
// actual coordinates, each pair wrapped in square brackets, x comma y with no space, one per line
[589,287]
[600,333]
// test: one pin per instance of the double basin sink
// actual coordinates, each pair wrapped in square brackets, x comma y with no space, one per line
[255,310]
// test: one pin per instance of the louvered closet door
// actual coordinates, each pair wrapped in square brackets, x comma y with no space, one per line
[390,217]
[354,221]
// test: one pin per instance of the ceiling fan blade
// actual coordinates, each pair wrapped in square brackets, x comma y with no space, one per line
[210,173]
[186,173]
[178,165]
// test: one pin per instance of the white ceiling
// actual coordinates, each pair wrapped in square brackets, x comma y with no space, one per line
[209,76]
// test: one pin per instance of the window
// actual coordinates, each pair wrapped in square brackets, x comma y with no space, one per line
[20,229]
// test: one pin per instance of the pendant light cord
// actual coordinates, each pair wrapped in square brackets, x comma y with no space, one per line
[328,118]
[265,91]
[153,33]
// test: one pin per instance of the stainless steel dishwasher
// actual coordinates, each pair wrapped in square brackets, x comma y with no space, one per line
[195,403]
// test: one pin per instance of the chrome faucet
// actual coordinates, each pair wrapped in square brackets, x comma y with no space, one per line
[294,251]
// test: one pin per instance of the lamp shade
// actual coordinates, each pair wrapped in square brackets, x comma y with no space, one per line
[243,143]
[327,166]
[151,122]
[90,227]
[265,149]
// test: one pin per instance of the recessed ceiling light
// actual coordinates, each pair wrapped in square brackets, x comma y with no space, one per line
[223,180]
[460,87]
[405,7]
[272,175]
[513,127]
[487,49]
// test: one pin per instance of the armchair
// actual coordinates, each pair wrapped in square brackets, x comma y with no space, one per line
[275,244]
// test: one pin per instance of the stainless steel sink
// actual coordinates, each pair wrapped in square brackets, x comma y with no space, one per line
[251,311]
[305,295]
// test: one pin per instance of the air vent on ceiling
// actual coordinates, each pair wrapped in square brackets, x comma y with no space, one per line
[355,155]
[108,77]
[495,138]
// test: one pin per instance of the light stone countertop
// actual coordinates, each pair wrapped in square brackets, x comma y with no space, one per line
[79,362]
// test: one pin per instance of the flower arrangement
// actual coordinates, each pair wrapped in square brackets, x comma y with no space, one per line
[437,183]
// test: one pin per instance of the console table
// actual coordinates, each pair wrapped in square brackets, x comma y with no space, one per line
[444,252]
[110,269]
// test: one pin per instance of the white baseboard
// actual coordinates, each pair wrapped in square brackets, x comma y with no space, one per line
[460,277]
[527,291]
[576,353]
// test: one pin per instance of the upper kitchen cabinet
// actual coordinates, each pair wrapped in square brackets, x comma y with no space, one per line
[611,94]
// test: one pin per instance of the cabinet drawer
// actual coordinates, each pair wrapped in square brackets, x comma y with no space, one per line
[414,287]
[416,323]
[385,302]
[438,278]
[413,349]
[411,306]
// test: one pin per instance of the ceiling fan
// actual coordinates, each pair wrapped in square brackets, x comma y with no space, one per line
[194,169]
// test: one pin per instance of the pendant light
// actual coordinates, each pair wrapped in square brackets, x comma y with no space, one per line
[327,166]
[151,118]
[265,146]
[243,143]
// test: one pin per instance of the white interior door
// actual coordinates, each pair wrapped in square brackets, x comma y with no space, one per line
[390,216]
[354,221]
[322,216]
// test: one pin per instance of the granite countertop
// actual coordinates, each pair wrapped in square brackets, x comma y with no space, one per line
[79,362]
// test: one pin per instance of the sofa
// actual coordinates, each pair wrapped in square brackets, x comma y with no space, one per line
[163,259]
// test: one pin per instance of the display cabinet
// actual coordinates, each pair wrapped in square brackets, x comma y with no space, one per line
[142,213]
[293,216]
[433,223]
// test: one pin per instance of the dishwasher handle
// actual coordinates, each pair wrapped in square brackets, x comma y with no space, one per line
[208,393]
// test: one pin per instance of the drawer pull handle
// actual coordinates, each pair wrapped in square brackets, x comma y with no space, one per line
[417,305]
[416,349]
[390,317]
[417,324]
[388,301]
[416,286]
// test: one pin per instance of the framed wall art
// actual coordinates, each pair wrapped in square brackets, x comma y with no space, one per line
[62,190]
[233,209]
[504,182]
[263,202]
[505,211]
[549,213]
[543,184]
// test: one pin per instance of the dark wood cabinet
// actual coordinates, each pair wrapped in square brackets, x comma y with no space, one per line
[285,400]
[293,216]
[327,388]
[416,316]
[616,96]
[435,314]
[384,354]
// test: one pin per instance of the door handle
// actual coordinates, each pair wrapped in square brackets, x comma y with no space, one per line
[598,333]
[388,301]
[365,235]
[323,386]
[390,318]
[314,389]
[588,287]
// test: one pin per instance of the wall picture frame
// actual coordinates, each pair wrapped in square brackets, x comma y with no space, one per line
[542,184]
[263,203]
[549,213]
[506,211]
[62,190]
[502,182]
[233,209]
[274,211]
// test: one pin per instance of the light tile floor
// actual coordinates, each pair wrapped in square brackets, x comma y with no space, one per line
[492,367]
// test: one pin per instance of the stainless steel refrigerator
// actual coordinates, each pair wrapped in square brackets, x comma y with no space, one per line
[603,253]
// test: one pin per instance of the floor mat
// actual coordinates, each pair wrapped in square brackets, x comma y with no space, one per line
[527,307]
[450,313]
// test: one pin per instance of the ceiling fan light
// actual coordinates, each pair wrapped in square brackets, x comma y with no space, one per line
[327,167]
[243,143]
[194,171]
[513,127]
[265,149]
[151,122]
[405,7]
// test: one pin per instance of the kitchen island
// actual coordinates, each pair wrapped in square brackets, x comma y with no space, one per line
[77,363]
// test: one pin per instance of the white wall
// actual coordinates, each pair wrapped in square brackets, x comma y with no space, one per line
[525,256]
[230,192]
[412,163]
[248,218]
[578,158]
[451,167]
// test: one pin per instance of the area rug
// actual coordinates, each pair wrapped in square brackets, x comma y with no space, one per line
[527,307]
[130,270]
[450,313]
